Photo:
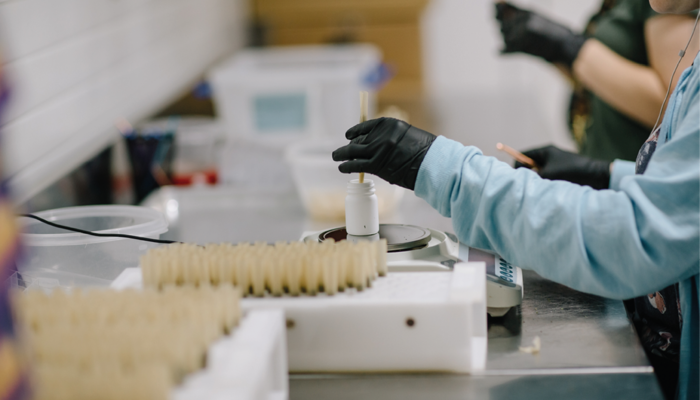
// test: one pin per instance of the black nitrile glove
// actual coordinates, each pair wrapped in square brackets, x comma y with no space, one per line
[528,32]
[556,164]
[391,149]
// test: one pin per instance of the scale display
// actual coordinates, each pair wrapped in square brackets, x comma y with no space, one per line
[495,265]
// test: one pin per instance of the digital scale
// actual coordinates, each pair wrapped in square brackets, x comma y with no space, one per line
[415,249]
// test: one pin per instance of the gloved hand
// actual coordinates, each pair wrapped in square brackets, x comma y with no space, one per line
[391,149]
[556,164]
[528,32]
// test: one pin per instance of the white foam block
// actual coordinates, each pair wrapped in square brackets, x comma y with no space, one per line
[249,364]
[406,322]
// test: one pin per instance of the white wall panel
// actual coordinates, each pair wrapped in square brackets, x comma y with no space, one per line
[516,99]
[32,25]
[67,95]
[44,74]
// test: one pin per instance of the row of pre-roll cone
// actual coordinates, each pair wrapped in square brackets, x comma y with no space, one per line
[130,344]
[258,269]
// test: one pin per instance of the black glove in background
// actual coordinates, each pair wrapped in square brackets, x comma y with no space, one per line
[556,164]
[528,32]
[388,148]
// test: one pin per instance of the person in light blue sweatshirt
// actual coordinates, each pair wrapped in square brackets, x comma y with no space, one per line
[640,235]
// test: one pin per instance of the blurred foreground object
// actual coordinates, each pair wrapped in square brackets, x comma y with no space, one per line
[13,379]
[127,344]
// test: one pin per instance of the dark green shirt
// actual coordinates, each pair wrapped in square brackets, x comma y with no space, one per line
[609,134]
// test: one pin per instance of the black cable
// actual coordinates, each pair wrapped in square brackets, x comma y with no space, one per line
[118,235]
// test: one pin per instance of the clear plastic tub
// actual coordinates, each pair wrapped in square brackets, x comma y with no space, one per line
[74,259]
[279,95]
[197,141]
[323,188]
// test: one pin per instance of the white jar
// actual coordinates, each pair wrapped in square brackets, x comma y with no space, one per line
[361,209]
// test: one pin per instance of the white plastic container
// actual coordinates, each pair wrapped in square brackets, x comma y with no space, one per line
[75,259]
[323,188]
[361,209]
[278,95]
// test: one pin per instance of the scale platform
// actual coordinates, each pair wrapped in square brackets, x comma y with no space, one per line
[415,249]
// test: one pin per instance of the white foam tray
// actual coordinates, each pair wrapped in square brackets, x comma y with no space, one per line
[248,364]
[406,322]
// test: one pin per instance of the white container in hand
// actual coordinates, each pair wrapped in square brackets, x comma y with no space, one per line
[361,209]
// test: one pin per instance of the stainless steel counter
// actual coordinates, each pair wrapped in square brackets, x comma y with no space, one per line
[578,332]
[589,349]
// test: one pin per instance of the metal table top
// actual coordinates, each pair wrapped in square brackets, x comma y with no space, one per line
[448,387]
[589,348]
[577,330]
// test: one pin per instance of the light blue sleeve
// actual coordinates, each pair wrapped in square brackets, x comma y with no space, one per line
[618,244]
[621,169]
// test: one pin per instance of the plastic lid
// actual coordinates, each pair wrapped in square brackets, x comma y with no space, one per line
[127,220]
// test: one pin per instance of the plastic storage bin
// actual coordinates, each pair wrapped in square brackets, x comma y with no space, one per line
[74,259]
[323,188]
[278,95]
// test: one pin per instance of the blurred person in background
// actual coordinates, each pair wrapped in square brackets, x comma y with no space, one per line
[621,66]
[13,382]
